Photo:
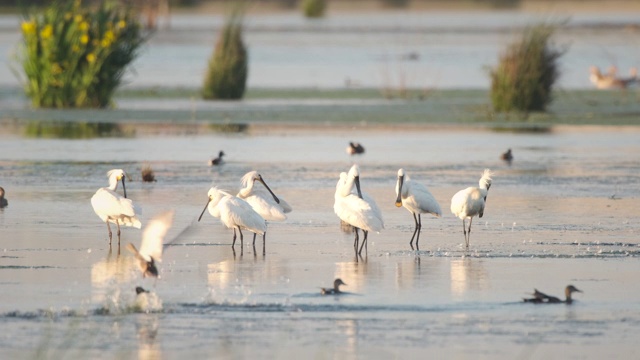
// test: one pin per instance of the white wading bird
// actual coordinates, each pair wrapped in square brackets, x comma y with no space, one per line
[356,209]
[263,200]
[417,199]
[111,207]
[234,213]
[152,243]
[470,202]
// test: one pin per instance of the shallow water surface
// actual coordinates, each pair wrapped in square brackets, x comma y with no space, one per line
[563,212]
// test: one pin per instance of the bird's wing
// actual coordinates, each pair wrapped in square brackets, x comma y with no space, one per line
[359,213]
[286,208]
[266,207]
[467,202]
[243,215]
[107,203]
[153,235]
[425,200]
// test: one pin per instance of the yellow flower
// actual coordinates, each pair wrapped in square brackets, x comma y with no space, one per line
[84,26]
[105,43]
[108,38]
[91,58]
[28,27]
[46,32]
[84,39]
[78,18]
[67,16]
[56,69]
[121,24]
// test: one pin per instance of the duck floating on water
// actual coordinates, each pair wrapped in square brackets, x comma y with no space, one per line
[542,298]
[507,156]
[335,290]
[218,160]
[3,201]
[355,148]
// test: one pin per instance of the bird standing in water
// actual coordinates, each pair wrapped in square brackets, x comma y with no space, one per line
[218,160]
[542,298]
[234,213]
[470,202]
[356,208]
[335,290]
[111,207]
[417,199]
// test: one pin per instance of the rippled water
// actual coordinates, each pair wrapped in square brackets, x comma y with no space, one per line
[563,212]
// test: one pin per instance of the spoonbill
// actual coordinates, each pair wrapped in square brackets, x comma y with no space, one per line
[470,202]
[335,290]
[218,160]
[111,207]
[234,213]
[152,243]
[417,199]
[356,209]
[265,203]
[3,201]
[542,298]
[355,148]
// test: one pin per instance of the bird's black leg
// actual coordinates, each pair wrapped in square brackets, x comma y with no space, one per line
[415,220]
[464,229]
[118,225]
[357,239]
[241,237]
[418,229]
[234,238]
[264,242]
[110,234]
[254,239]
[364,242]
[469,233]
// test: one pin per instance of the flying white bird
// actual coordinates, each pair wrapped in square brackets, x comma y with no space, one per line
[262,199]
[111,207]
[152,243]
[470,202]
[234,213]
[417,199]
[356,209]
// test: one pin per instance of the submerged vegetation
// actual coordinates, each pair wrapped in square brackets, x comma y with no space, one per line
[524,77]
[72,130]
[75,56]
[226,76]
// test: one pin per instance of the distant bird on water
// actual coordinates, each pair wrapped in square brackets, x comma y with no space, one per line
[152,244]
[542,298]
[3,200]
[355,148]
[470,202]
[218,160]
[333,291]
[262,199]
[111,207]
[507,156]
[417,199]
[610,80]
[234,213]
[355,207]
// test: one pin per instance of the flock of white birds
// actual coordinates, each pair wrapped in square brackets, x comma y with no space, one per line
[254,205]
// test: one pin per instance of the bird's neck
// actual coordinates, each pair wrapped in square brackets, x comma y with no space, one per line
[113,184]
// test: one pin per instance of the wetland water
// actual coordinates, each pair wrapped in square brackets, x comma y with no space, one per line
[564,212]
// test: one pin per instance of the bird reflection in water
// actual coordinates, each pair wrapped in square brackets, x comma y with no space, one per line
[147,332]
[468,274]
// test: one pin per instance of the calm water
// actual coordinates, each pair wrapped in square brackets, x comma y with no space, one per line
[436,49]
[564,212]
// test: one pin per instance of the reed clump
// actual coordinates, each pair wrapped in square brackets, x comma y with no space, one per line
[314,8]
[524,77]
[226,77]
[75,56]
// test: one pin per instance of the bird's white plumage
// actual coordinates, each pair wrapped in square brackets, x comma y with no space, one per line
[111,206]
[261,199]
[362,213]
[235,212]
[470,202]
[416,197]
[153,236]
